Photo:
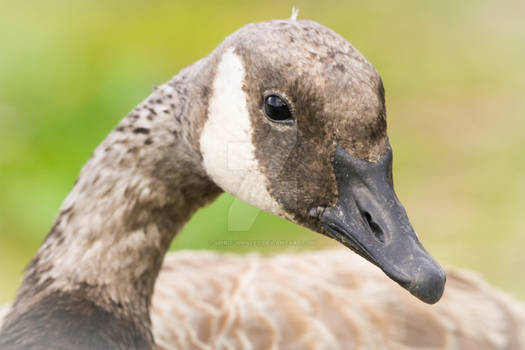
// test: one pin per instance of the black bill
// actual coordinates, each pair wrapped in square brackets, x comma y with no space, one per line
[370,220]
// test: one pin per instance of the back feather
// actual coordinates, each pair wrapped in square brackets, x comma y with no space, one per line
[329,299]
[322,300]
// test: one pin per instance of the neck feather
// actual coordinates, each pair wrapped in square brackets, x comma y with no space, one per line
[134,194]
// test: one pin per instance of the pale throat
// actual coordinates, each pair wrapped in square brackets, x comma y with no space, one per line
[226,142]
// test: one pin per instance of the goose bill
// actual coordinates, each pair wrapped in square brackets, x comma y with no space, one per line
[370,220]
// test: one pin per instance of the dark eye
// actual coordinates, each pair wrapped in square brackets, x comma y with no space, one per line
[277,110]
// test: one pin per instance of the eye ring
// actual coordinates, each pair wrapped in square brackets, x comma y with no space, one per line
[277,109]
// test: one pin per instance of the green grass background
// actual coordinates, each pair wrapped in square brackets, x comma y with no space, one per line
[455,80]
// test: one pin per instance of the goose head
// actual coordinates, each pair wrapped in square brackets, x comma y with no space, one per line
[296,126]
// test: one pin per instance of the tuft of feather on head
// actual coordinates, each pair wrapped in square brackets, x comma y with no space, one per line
[295,13]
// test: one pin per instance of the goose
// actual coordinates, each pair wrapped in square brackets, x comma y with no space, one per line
[289,117]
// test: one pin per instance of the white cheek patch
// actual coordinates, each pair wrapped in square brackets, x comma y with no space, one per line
[226,140]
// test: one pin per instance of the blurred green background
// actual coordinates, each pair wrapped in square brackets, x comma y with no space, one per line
[453,71]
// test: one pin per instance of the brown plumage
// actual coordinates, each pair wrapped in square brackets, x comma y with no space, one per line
[328,299]
[323,161]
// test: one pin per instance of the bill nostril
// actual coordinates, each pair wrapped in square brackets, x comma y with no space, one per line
[375,228]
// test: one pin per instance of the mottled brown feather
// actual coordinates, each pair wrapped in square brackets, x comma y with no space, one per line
[100,261]
[322,300]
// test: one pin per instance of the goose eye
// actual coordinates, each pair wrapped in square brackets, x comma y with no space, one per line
[277,110]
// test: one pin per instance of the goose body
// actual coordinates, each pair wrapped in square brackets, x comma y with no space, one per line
[300,301]
[289,117]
